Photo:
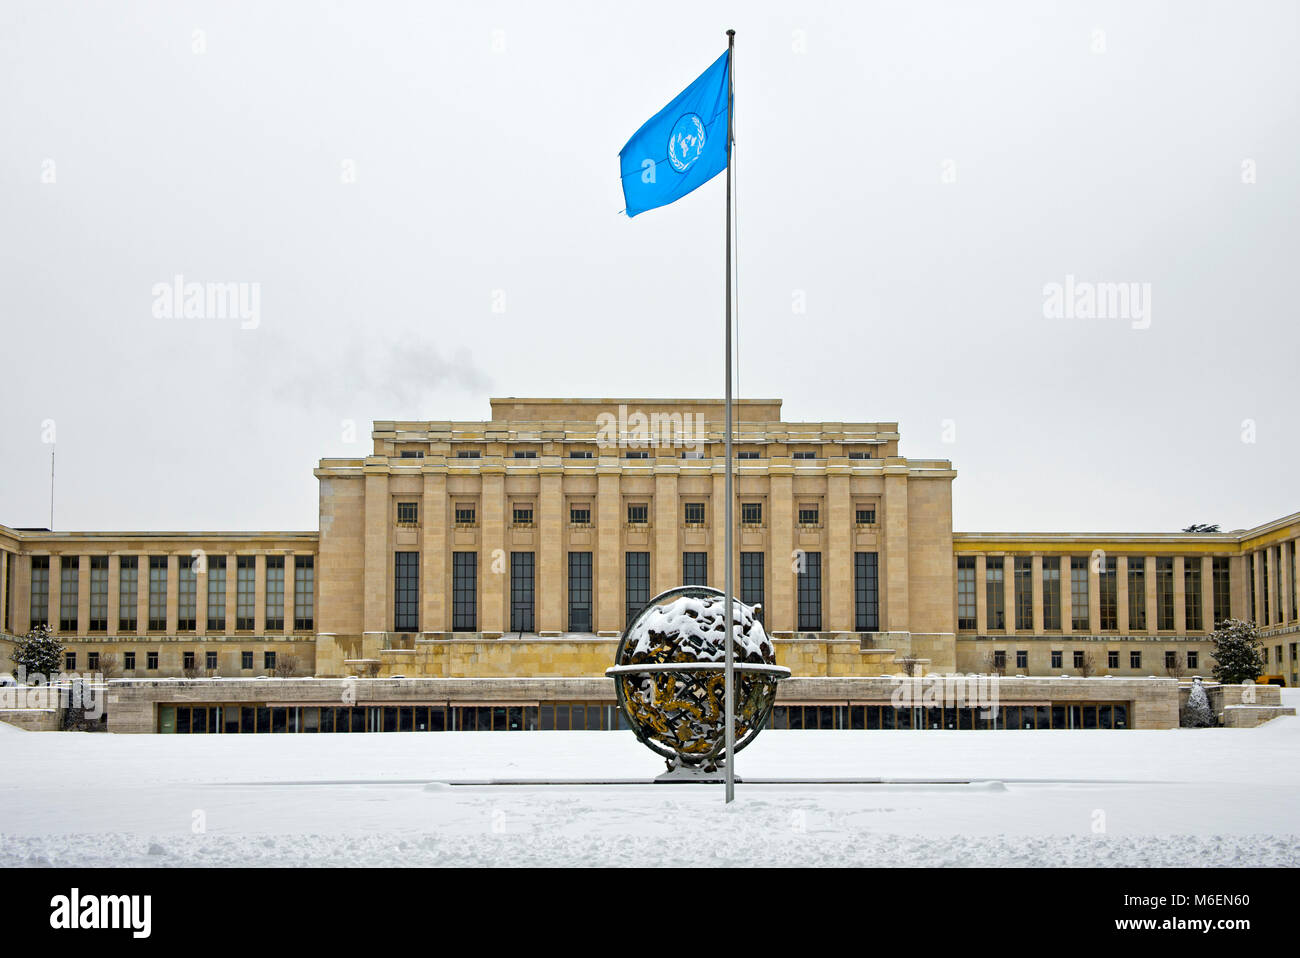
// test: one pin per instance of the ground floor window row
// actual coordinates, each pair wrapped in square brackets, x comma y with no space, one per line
[597,716]
[243,719]
[1057,715]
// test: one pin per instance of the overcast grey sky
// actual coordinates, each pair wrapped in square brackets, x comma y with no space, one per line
[916,172]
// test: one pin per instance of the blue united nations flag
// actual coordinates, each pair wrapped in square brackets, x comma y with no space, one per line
[681,147]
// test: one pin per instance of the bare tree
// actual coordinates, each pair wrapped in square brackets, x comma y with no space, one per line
[993,663]
[109,666]
[911,664]
[1087,664]
[191,668]
[286,665]
[1174,666]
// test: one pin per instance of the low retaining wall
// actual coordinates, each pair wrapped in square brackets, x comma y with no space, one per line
[133,703]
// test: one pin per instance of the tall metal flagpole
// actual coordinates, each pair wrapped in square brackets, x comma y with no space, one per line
[730,683]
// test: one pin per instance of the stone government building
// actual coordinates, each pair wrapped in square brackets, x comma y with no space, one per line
[514,550]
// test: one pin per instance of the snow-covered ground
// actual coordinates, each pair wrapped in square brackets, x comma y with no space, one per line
[1177,797]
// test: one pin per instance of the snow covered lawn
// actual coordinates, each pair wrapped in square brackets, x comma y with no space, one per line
[1178,797]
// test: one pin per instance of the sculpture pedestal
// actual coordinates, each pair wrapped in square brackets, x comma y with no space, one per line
[693,773]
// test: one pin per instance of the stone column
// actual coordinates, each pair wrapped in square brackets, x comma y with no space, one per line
[896,575]
[173,591]
[141,598]
[718,528]
[1260,585]
[379,553]
[83,594]
[22,597]
[1096,566]
[1180,596]
[1037,575]
[290,587]
[1207,593]
[551,563]
[668,553]
[1066,572]
[232,593]
[56,587]
[259,593]
[1009,592]
[1149,581]
[493,615]
[608,563]
[1121,594]
[838,536]
[201,595]
[114,592]
[780,519]
[434,587]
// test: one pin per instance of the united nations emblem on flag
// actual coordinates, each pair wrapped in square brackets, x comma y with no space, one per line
[686,143]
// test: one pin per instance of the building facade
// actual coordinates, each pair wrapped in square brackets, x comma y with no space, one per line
[518,547]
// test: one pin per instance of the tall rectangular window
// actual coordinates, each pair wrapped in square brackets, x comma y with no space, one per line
[128,592]
[216,594]
[1295,595]
[695,568]
[1080,594]
[1108,584]
[69,574]
[1192,593]
[274,593]
[1222,589]
[1164,594]
[406,590]
[245,593]
[99,593]
[1250,564]
[9,590]
[464,591]
[636,583]
[579,591]
[995,593]
[304,593]
[1277,582]
[40,591]
[966,592]
[157,593]
[866,591]
[751,578]
[1263,570]
[1051,592]
[521,592]
[810,592]
[1137,594]
[1024,586]
[187,599]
